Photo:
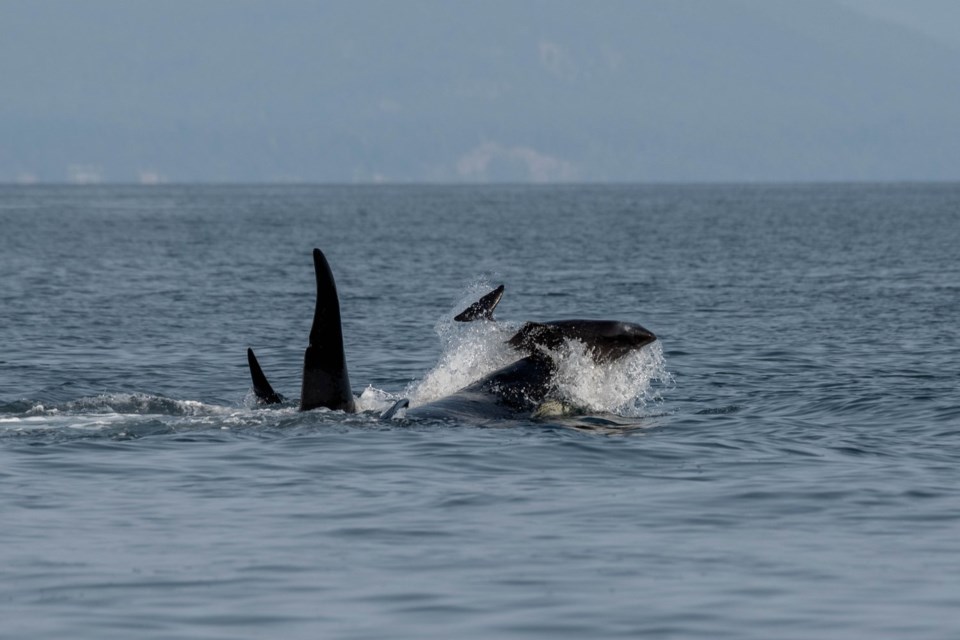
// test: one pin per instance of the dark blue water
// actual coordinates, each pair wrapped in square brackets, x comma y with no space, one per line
[786,463]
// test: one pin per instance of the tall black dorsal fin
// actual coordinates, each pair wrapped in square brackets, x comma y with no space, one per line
[325,379]
[264,392]
[482,308]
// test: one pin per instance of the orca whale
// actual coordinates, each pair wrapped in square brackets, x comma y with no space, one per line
[520,387]
[325,379]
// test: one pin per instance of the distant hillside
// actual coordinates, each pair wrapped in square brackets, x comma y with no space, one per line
[419,90]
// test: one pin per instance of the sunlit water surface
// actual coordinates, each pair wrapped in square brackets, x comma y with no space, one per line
[783,463]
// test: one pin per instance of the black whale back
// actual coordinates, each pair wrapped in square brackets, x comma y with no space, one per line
[607,340]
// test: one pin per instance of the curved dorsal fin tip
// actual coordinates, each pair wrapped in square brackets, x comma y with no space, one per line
[483,308]
[261,387]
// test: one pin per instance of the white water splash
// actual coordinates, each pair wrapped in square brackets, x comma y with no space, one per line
[623,387]
[373,399]
[474,350]
[470,352]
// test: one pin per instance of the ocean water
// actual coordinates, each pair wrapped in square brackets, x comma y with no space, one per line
[783,463]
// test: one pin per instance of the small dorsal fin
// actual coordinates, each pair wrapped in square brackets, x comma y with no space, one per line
[397,406]
[261,387]
[483,308]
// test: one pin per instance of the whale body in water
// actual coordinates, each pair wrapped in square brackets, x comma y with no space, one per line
[521,387]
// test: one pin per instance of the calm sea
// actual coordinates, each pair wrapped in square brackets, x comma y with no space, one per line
[784,464]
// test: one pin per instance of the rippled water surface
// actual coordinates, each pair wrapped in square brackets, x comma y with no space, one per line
[783,463]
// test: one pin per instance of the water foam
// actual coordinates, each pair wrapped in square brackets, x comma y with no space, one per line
[470,352]
[119,410]
[624,387]
[138,404]
[373,399]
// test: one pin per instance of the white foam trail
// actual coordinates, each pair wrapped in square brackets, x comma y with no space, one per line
[137,404]
[109,410]
[54,421]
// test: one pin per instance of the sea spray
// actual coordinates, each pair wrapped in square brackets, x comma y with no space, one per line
[623,387]
[477,349]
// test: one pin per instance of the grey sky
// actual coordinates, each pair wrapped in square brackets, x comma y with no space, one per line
[938,19]
[430,90]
